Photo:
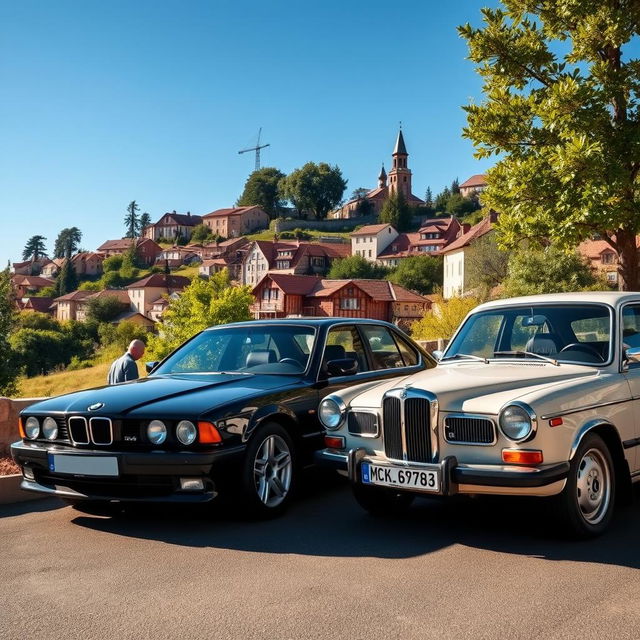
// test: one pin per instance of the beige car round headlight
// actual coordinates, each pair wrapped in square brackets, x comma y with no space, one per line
[331,413]
[517,422]
[157,431]
[50,428]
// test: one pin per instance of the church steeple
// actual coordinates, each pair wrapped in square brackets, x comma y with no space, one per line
[400,175]
[382,178]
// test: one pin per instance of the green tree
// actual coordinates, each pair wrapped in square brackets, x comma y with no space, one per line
[201,233]
[145,221]
[105,308]
[67,242]
[262,189]
[39,350]
[443,318]
[561,111]
[485,263]
[396,212]
[356,267]
[66,280]
[131,221]
[458,205]
[9,367]
[440,203]
[112,263]
[359,193]
[418,273]
[549,270]
[34,249]
[428,198]
[36,320]
[203,303]
[315,187]
[364,207]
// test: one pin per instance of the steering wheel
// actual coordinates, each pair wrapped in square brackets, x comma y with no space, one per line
[585,348]
[289,361]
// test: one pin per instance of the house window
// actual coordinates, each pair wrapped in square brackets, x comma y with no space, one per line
[612,277]
[369,252]
[608,257]
[349,303]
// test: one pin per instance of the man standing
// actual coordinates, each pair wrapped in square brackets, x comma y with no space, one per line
[125,368]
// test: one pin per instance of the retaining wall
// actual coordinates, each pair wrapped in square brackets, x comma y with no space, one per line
[9,410]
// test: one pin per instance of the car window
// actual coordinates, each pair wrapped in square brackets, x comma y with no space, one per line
[409,354]
[522,334]
[480,338]
[383,347]
[631,330]
[344,342]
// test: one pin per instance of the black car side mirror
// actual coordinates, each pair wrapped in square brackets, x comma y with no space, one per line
[342,367]
[150,366]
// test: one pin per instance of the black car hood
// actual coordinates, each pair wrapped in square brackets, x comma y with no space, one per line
[166,395]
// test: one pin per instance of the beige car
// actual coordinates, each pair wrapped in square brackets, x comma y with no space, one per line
[534,396]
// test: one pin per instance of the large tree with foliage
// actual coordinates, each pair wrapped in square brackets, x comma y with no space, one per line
[261,188]
[8,359]
[144,221]
[315,187]
[202,304]
[486,264]
[105,308]
[67,279]
[443,318]
[34,249]
[560,108]
[549,270]
[131,220]
[356,267]
[67,242]
[397,212]
[418,273]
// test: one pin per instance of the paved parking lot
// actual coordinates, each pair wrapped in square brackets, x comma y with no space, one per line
[463,569]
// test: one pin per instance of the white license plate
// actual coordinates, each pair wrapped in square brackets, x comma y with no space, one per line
[83,465]
[416,478]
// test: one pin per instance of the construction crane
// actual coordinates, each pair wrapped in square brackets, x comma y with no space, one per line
[256,149]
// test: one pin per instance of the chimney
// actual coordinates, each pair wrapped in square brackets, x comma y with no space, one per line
[465,228]
[189,213]
[174,211]
[493,216]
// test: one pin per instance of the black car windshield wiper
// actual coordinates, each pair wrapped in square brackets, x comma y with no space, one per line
[528,353]
[466,355]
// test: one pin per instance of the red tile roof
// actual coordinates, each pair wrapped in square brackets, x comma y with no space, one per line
[161,280]
[32,281]
[477,231]
[593,249]
[182,219]
[124,243]
[74,296]
[403,242]
[231,211]
[479,180]
[290,284]
[370,229]
[40,304]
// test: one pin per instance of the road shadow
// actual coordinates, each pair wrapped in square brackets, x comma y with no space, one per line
[326,521]
[30,506]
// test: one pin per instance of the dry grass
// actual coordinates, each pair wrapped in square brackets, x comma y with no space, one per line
[56,384]
[8,467]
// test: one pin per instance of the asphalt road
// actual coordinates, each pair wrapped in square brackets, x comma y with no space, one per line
[482,568]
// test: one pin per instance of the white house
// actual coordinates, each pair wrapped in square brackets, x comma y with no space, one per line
[370,241]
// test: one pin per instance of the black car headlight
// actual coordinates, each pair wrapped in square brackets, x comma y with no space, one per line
[32,428]
[157,431]
[331,412]
[518,422]
[186,432]
[50,428]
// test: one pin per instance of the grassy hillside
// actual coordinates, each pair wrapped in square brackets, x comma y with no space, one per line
[315,235]
[56,384]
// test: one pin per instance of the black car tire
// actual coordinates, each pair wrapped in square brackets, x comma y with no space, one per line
[269,471]
[380,501]
[585,507]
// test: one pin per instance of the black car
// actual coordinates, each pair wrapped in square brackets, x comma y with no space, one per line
[232,411]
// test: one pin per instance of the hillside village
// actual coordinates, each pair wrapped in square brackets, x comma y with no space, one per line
[285,262]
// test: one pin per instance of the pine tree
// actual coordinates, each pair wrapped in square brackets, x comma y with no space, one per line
[396,212]
[131,220]
[428,198]
[67,280]
[34,249]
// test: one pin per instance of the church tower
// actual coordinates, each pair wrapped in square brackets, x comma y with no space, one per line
[382,178]
[399,174]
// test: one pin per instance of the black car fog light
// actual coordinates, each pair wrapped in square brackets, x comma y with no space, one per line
[191,484]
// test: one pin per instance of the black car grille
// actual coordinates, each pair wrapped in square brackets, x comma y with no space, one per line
[363,424]
[101,431]
[63,430]
[469,430]
[392,428]
[417,423]
[79,429]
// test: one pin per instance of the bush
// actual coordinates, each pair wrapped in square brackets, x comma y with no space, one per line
[36,320]
[112,263]
[122,334]
[443,319]
[88,285]
[356,267]
[76,363]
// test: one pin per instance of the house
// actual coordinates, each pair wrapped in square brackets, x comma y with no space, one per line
[404,246]
[456,276]
[473,186]
[146,250]
[160,306]
[177,256]
[52,268]
[29,267]
[66,307]
[603,257]
[39,304]
[88,263]
[135,318]
[144,293]
[398,180]
[172,226]
[25,286]
[280,295]
[236,221]
[299,258]
[211,266]
[82,304]
[371,240]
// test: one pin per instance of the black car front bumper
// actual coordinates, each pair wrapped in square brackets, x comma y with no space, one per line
[142,476]
[453,474]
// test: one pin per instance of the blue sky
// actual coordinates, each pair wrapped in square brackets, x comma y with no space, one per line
[107,102]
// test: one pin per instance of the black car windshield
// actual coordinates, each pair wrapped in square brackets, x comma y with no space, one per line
[278,349]
[579,333]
